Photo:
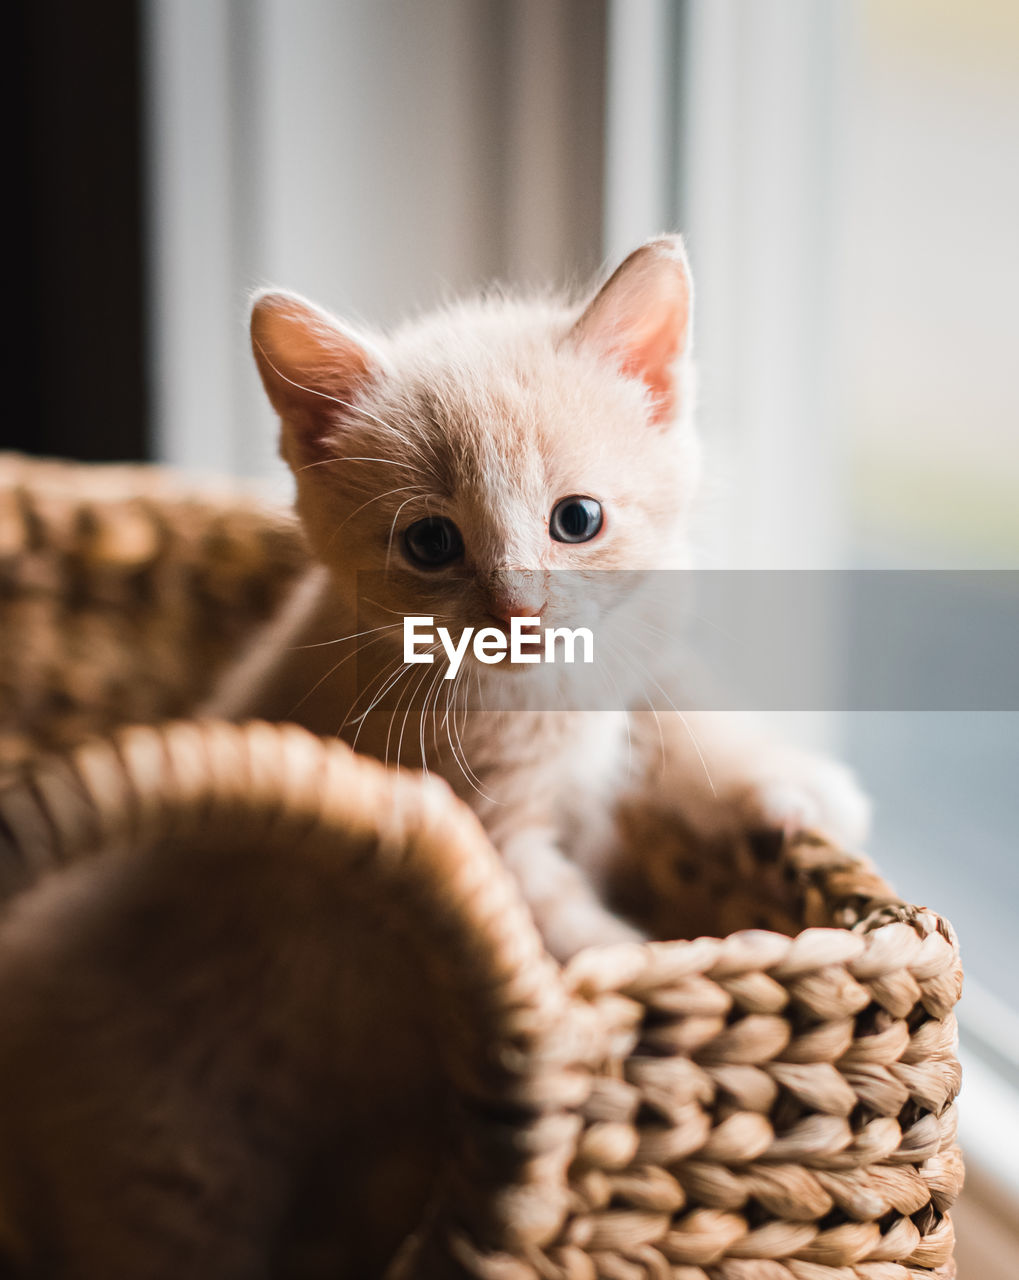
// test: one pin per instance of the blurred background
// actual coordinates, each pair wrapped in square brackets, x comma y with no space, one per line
[845,172]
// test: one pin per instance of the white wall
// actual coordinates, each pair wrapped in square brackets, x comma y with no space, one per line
[375,156]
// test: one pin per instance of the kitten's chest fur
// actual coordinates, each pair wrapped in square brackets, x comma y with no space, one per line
[552,769]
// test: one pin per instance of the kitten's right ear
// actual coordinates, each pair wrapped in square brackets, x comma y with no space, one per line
[641,320]
[311,366]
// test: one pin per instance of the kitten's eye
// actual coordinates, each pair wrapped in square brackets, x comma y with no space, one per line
[432,542]
[575,520]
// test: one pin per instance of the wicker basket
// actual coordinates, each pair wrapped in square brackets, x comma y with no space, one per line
[769,1103]
[123,592]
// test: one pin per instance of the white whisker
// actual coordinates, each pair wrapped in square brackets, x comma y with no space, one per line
[683,720]
[324,395]
[392,530]
[410,703]
[321,644]
[400,671]
[431,695]
[333,669]
[619,697]
[378,498]
[389,462]
[377,679]
[460,756]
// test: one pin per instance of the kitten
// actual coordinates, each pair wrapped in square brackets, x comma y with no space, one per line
[466,461]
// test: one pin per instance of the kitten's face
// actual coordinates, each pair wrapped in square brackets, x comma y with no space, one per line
[497,456]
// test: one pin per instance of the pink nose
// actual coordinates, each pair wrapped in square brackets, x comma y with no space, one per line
[506,607]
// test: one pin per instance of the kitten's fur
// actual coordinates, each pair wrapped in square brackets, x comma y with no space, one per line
[204,1052]
[489,413]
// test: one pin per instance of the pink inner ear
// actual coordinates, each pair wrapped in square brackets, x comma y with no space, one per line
[641,320]
[653,351]
[311,366]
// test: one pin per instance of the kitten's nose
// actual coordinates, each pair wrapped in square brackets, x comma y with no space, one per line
[505,608]
[516,595]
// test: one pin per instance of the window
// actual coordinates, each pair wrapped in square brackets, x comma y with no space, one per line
[846,176]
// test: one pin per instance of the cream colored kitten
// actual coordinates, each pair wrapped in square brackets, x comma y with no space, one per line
[463,461]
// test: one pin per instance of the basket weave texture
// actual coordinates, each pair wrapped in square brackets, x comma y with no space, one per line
[768,1103]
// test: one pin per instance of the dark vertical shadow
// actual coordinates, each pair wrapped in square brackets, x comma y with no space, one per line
[76,354]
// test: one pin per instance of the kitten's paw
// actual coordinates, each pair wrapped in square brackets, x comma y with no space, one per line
[808,793]
[574,930]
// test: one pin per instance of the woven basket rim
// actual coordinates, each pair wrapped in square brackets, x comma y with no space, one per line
[536,1036]
[539,1029]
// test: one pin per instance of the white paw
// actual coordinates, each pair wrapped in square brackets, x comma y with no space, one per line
[807,793]
[570,930]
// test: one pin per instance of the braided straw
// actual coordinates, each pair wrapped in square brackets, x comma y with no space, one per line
[124,591]
[511,1042]
[775,1102]
[753,1106]
[776,1107]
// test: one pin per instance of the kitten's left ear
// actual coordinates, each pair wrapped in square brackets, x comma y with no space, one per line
[641,318]
[312,367]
